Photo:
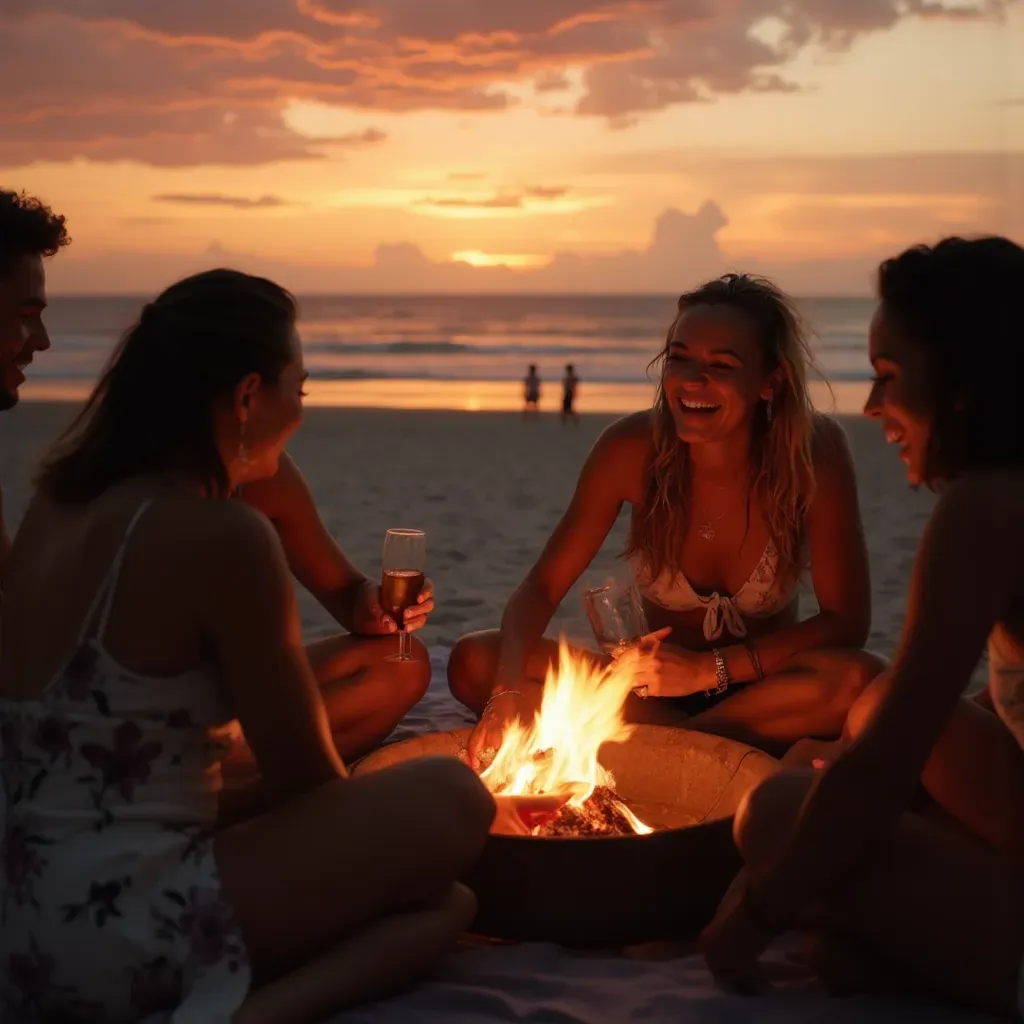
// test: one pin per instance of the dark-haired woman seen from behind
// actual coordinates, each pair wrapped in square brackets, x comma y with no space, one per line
[933,901]
[124,894]
[736,487]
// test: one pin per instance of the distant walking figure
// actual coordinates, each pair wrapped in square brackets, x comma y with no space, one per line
[570,382]
[531,393]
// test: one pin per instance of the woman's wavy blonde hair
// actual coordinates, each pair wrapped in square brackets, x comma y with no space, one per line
[783,483]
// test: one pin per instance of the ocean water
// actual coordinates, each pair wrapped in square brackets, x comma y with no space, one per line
[459,351]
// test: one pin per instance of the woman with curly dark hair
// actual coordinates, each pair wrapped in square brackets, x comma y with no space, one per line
[934,899]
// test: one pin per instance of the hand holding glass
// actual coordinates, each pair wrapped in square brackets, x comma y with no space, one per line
[403,564]
[616,616]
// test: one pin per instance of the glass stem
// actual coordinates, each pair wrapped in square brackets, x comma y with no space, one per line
[404,645]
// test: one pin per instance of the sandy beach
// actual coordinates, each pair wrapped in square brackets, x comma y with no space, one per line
[488,488]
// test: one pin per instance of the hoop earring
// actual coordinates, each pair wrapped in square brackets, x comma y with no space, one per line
[243,452]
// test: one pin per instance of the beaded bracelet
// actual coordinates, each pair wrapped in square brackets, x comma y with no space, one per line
[501,693]
[755,660]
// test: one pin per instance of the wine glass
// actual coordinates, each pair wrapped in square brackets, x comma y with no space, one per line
[402,578]
[616,616]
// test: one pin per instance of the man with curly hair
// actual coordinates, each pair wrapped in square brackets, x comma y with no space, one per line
[29,231]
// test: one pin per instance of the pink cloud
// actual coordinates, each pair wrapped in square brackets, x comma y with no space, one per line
[118,79]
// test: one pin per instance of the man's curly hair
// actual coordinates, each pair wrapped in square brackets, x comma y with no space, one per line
[28,227]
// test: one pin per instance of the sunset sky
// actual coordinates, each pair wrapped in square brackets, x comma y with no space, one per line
[539,145]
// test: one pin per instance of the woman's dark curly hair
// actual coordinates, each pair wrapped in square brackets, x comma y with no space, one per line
[963,301]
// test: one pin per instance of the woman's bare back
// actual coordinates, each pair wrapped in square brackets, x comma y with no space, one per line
[62,555]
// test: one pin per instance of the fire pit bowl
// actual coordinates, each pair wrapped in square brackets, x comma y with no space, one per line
[617,890]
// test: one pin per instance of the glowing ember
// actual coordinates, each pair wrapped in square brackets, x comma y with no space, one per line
[558,754]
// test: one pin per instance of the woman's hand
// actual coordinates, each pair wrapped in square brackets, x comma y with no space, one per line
[734,940]
[416,614]
[499,712]
[370,619]
[668,671]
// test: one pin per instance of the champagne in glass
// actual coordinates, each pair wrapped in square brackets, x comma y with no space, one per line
[404,562]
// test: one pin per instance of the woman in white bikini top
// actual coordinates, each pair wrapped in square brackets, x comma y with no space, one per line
[736,487]
[764,594]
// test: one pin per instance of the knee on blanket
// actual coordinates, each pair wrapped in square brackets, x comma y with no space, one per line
[471,668]
[863,709]
[856,677]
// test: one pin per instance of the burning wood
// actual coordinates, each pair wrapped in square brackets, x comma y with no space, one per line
[600,815]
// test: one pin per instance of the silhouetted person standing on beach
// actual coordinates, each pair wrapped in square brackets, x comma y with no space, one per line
[531,394]
[570,382]
[29,231]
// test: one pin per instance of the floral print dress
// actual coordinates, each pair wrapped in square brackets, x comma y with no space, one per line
[111,907]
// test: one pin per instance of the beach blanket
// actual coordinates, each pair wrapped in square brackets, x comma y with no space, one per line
[548,985]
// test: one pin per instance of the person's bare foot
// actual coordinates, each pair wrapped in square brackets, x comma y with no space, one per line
[818,754]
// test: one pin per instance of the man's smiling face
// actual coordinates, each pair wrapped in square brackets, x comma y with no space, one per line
[22,333]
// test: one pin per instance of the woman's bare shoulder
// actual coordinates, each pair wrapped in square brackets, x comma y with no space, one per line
[996,495]
[829,440]
[230,551]
[629,436]
[219,529]
[620,455]
[831,455]
[198,536]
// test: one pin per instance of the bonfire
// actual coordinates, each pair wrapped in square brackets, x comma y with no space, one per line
[557,755]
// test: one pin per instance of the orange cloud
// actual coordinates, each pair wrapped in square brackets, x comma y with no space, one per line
[194,82]
[502,201]
[546,191]
[682,251]
[233,202]
[492,203]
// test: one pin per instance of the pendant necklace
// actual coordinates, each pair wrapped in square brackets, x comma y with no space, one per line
[706,531]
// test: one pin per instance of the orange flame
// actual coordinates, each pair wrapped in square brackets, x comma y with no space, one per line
[581,710]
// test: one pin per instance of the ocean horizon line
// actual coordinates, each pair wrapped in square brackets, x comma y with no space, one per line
[595,295]
[838,397]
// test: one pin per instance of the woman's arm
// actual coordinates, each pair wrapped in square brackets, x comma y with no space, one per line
[967,573]
[314,556]
[248,612]
[839,568]
[612,474]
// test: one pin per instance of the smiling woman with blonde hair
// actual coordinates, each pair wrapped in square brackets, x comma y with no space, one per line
[736,487]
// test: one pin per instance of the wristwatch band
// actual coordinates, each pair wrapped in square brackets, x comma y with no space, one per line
[721,674]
